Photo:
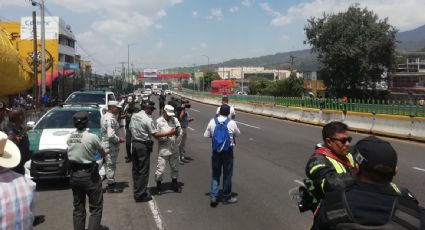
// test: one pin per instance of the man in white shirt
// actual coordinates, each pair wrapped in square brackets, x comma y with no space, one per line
[225,101]
[222,159]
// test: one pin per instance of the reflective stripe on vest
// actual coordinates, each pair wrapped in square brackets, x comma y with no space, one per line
[396,189]
[316,167]
[340,169]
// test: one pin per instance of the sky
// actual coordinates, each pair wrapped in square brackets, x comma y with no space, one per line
[182,33]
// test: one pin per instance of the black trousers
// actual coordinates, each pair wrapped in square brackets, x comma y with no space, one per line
[84,184]
[141,161]
[128,142]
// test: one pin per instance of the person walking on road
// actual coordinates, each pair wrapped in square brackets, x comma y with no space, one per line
[225,101]
[162,99]
[184,119]
[111,143]
[17,133]
[143,129]
[85,179]
[168,148]
[129,110]
[222,130]
[372,201]
[17,193]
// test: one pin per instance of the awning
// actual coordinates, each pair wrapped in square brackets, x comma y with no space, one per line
[51,77]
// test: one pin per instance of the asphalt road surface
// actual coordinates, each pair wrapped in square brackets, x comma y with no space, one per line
[270,157]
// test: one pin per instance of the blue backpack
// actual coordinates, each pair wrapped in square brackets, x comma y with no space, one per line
[221,136]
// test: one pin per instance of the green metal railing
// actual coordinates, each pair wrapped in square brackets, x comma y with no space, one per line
[392,107]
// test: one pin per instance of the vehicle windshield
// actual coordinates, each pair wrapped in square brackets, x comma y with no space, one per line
[63,119]
[80,98]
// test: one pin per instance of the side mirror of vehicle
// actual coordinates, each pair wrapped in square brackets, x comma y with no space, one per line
[31,124]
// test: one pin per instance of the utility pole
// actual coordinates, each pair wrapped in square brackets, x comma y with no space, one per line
[43,50]
[35,54]
[292,62]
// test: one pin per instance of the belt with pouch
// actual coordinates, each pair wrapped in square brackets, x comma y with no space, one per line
[75,166]
[149,142]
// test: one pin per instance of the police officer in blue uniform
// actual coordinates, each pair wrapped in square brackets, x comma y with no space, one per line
[85,180]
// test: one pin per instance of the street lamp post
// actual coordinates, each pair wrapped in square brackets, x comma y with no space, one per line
[43,47]
[128,63]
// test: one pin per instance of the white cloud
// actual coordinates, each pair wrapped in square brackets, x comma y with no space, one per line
[158,26]
[203,45]
[194,13]
[246,3]
[234,9]
[159,45]
[215,14]
[393,9]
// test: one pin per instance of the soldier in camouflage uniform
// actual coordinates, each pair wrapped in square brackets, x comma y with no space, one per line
[111,142]
[168,148]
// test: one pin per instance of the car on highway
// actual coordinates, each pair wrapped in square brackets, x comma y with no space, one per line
[48,138]
[147,91]
[167,92]
[100,97]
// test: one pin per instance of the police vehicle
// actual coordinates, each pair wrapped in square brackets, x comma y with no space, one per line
[100,97]
[49,135]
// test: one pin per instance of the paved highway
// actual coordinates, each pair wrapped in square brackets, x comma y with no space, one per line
[270,157]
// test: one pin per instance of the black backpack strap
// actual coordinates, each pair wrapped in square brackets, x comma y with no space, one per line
[337,210]
[406,213]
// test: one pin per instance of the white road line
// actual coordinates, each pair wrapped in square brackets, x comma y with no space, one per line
[195,110]
[255,127]
[299,182]
[191,128]
[420,169]
[156,214]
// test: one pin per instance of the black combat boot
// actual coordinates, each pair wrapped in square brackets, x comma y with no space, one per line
[176,186]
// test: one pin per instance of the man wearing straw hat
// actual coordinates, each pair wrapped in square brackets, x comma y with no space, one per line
[17,192]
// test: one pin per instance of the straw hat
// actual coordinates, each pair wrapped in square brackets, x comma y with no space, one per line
[10,156]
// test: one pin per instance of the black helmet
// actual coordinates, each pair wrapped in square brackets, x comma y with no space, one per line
[81,118]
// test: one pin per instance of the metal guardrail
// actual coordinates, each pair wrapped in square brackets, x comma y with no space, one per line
[391,107]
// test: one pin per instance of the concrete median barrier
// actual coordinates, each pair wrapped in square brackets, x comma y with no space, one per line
[330,115]
[359,121]
[294,114]
[418,128]
[268,110]
[246,107]
[257,109]
[279,112]
[311,116]
[396,126]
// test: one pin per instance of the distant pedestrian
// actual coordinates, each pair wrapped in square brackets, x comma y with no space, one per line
[85,179]
[222,130]
[225,101]
[162,98]
[17,133]
[142,130]
[17,193]
[421,102]
[184,119]
[111,143]
[168,148]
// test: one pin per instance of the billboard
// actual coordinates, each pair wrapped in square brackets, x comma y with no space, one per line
[150,73]
[51,28]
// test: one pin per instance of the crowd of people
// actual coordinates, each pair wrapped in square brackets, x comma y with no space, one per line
[346,187]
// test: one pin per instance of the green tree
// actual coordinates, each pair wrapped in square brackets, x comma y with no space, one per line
[258,85]
[208,77]
[290,87]
[355,48]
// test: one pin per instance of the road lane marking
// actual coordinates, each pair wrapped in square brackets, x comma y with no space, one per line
[299,182]
[255,127]
[420,169]
[191,128]
[156,214]
[195,110]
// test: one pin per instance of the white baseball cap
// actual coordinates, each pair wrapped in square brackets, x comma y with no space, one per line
[169,110]
[10,156]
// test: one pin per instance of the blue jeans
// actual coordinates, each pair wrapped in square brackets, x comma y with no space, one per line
[222,161]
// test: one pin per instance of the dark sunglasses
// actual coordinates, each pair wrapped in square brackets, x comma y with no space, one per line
[342,140]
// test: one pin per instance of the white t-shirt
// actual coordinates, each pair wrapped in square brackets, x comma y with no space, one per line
[231,126]
[231,114]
